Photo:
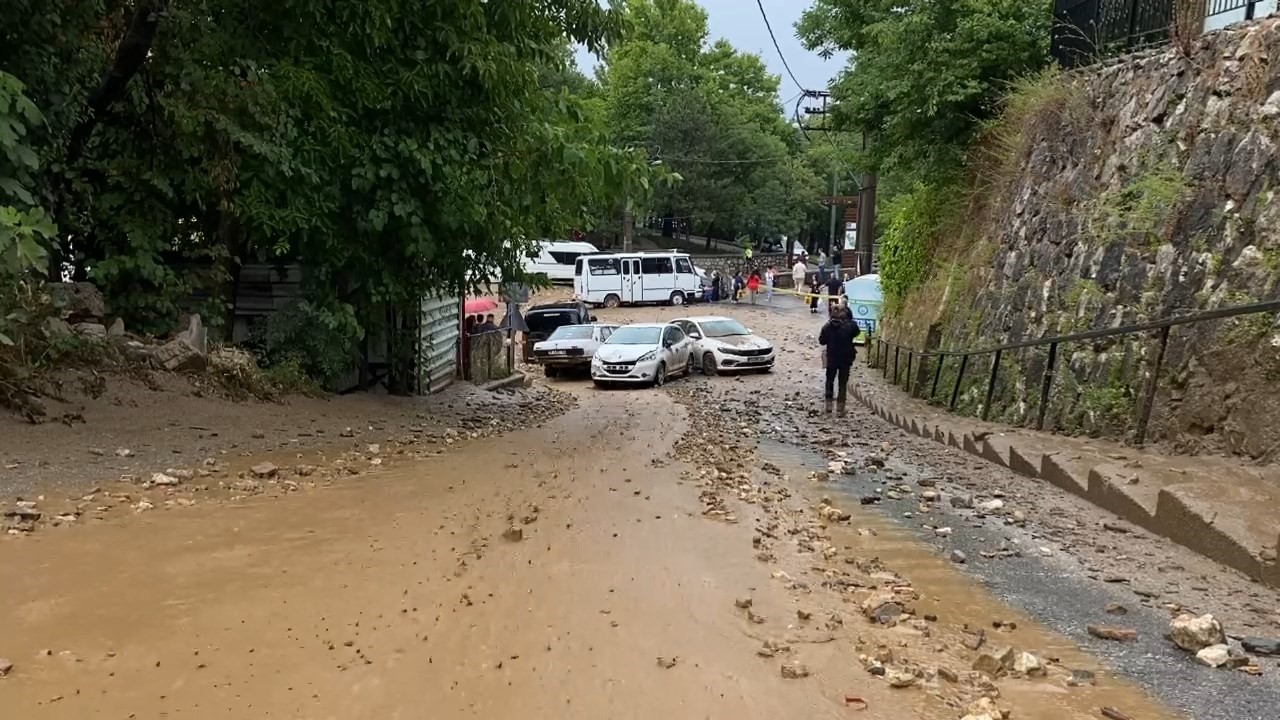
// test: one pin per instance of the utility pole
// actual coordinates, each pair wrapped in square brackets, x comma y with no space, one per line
[628,225]
[866,218]
[835,189]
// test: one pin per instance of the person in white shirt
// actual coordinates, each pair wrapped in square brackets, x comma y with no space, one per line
[798,273]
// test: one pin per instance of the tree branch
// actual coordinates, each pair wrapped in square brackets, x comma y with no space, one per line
[131,54]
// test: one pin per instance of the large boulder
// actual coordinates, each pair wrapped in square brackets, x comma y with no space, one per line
[178,356]
[195,335]
[1194,634]
[78,302]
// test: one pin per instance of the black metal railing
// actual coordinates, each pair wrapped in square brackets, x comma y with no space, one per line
[1221,7]
[1085,30]
[883,349]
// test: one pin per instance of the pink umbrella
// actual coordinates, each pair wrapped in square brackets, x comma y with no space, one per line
[478,305]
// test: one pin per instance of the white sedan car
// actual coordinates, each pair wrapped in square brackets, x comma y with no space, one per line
[570,347]
[643,353]
[722,344]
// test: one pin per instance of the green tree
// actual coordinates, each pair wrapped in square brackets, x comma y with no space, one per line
[925,74]
[710,113]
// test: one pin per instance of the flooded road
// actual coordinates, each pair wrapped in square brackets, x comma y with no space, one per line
[566,571]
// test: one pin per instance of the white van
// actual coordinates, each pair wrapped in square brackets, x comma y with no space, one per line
[556,259]
[613,279]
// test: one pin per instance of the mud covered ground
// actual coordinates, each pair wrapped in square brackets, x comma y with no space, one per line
[568,552]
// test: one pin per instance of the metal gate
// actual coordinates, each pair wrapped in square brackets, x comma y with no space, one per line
[438,343]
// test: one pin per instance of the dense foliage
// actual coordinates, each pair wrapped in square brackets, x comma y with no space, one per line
[924,79]
[711,114]
[375,141]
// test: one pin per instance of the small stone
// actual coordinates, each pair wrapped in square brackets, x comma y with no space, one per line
[1193,634]
[162,479]
[6,667]
[1028,665]
[958,557]
[304,470]
[949,675]
[754,618]
[264,470]
[992,506]
[374,449]
[1112,633]
[1117,609]
[515,533]
[124,452]
[882,607]
[929,495]
[962,502]
[1214,655]
[666,663]
[942,532]
[994,662]
[794,670]
[804,615]
[900,678]
[1080,678]
[1261,646]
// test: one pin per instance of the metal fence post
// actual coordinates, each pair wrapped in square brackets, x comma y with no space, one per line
[991,384]
[955,389]
[1045,384]
[937,375]
[911,354]
[896,350]
[1149,397]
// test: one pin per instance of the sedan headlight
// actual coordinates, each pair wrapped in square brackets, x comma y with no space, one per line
[648,356]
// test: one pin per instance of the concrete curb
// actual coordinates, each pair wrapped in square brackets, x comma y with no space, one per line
[1227,513]
[515,380]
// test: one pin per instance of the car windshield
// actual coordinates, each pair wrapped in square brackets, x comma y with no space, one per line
[722,328]
[572,332]
[635,336]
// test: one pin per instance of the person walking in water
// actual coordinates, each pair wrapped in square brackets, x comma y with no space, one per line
[753,285]
[837,338]
[769,275]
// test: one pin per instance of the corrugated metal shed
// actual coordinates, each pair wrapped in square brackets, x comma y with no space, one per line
[438,343]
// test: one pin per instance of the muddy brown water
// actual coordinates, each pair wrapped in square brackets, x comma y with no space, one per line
[397,596]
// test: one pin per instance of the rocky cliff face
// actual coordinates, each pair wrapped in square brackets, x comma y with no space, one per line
[1146,188]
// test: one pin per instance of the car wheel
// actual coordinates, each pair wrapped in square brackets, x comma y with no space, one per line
[677,298]
[688,366]
[709,367]
[612,301]
[660,375]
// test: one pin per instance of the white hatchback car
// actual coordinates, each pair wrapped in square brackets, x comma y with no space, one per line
[643,353]
[722,344]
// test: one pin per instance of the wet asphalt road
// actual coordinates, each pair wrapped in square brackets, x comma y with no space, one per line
[1057,591]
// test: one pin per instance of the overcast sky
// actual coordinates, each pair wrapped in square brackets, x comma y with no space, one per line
[739,22]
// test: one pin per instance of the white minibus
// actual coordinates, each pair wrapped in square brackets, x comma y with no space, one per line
[613,279]
[556,259]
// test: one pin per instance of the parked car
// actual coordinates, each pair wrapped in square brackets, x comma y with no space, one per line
[722,344]
[643,353]
[544,319]
[570,347]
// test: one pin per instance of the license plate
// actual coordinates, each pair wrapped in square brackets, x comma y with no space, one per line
[757,360]
[559,352]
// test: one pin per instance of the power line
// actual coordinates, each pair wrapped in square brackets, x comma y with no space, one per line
[778,47]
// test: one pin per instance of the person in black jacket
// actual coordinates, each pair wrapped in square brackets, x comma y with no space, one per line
[837,337]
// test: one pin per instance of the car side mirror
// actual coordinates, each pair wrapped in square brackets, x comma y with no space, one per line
[695,336]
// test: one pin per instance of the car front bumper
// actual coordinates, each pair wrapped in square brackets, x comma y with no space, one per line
[640,372]
[727,362]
